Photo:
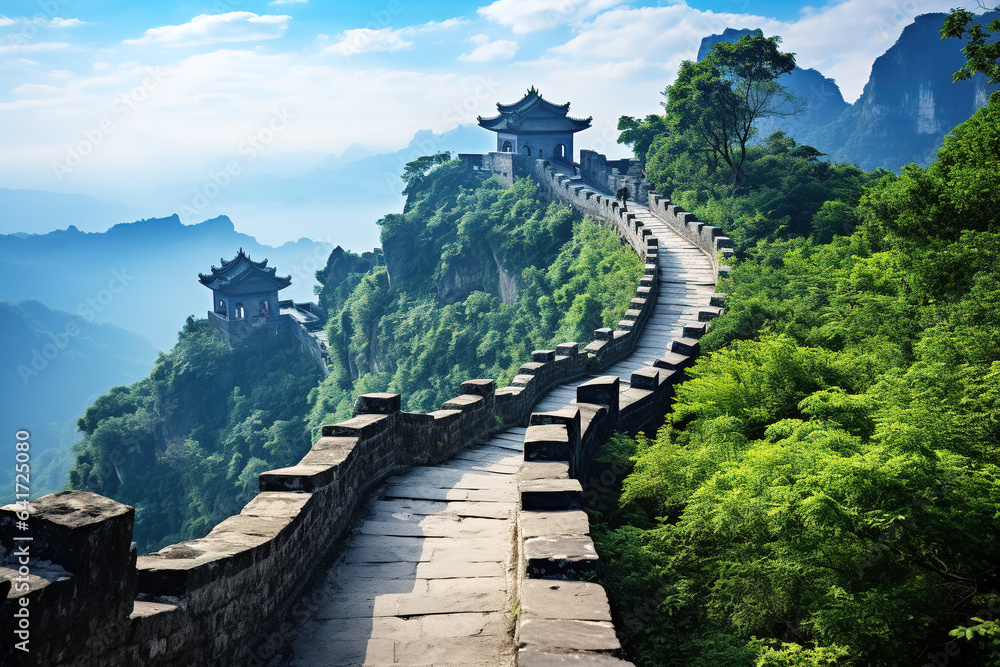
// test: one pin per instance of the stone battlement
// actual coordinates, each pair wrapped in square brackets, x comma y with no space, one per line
[711,240]
[212,600]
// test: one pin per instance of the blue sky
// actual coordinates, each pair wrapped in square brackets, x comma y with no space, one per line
[152,92]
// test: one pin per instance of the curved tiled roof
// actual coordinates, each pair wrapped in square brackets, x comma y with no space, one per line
[532,98]
[242,275]
[533,113]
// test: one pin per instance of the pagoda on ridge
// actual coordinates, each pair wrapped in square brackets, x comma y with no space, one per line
[243,288]
[535,127]
[245,307]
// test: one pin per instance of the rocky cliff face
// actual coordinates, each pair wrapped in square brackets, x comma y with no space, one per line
[908,105]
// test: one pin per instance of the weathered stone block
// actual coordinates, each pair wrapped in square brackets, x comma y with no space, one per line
[602,334]
[362,426]
[561,522]
[647,377]
[709,313]
[446,417]
[549,442]
[301,478]
[543,470]
[694,330]
[563,635]
[483,387]
[465,403]
[551,494]
[376,404]
[674,361]
[535,657]
[601,391]
[568,349]
[571,600]
[687,346]
[560,557]
[543,356]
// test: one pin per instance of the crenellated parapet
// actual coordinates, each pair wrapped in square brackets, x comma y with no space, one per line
[215,600]
[712,240]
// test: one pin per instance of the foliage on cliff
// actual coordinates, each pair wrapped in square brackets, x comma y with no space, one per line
[721,99]
[475,277]
[826,489]
[790,193]
[185,445]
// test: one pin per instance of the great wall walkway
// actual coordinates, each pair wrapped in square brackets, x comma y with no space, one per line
[429,577]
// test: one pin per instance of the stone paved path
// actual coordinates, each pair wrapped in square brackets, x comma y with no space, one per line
[686,286]
[429,578]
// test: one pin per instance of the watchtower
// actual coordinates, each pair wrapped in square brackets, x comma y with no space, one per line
[535,127]
[244,289]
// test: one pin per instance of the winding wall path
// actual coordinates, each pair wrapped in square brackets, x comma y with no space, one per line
[430,577]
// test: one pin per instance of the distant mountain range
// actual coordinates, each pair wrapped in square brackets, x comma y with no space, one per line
[908,105]
[142,276]
[336,200]
[55,365]
[38,211]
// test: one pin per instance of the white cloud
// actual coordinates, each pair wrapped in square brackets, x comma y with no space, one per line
[530,15]
[27,46]
[65,23]
[362,40]
[21,62]
[841,39]
[500,49]
[287,2]
[432,26]
[217,28]
[4,21]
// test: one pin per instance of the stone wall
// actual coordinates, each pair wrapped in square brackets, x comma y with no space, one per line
[212,600]
[711,240]
[564,615]
[606,175]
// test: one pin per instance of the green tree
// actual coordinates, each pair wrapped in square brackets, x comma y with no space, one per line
[641,133]
[722,97]
[415,171]
[982,52]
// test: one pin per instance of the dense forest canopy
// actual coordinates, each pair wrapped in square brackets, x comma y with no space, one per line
[185,445]
[827,488]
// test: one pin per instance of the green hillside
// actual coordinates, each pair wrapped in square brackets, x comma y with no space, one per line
[472,277]
[826,490]
[434,310]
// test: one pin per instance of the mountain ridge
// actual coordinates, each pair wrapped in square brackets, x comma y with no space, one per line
[908,104]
